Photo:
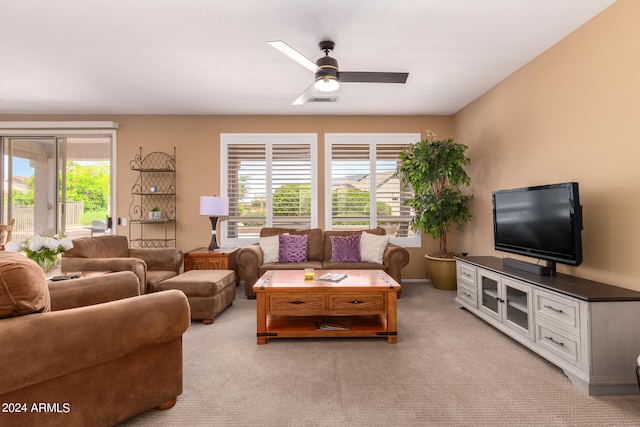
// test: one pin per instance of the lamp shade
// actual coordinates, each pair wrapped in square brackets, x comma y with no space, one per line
[214,206]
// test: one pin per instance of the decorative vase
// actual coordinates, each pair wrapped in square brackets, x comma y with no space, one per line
[50,266]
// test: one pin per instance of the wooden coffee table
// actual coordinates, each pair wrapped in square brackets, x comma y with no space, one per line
[288,306]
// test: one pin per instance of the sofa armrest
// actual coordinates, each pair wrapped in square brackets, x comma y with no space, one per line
[395,258]
[85,291]
[61,342]
[249,260]
[160,259]
[136,265]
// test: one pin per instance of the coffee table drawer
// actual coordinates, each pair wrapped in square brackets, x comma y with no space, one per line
[369,302]
[295,303]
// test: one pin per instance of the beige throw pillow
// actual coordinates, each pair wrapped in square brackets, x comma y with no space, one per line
[372,247]
[270,248]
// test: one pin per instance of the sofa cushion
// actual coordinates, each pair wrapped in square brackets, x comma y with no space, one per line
[317,265]
[330,265]
[293,248]
[372,247]
[270,248]
[99,247]
[345,248]
[154,278]
[314,244]
[23,287]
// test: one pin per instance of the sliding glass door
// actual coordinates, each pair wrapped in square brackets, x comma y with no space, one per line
[56,184]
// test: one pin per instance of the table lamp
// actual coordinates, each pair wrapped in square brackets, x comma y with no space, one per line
[214,207]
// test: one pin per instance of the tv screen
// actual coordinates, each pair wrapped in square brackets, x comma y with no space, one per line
[544,222]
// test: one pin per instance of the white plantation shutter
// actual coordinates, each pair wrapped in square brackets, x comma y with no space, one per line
[362,190]
[291,178]
[270,180]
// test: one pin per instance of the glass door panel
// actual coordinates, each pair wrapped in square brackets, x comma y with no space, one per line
[56,185]
[29,196]
[517,310]
[518,307]
[490,292]
[85,185]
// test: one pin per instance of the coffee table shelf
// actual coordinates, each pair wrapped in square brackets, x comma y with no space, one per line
[287,306]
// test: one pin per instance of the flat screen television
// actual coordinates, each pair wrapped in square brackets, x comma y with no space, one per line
[543,222]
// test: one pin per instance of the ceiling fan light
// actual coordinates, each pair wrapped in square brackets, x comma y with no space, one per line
[327,84]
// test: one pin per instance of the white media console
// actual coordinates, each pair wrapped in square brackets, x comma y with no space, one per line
[588,329]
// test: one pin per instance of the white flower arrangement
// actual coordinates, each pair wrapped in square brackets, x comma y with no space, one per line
[44,250]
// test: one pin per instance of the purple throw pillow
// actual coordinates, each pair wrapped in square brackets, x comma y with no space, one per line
[293,248]
[345,248]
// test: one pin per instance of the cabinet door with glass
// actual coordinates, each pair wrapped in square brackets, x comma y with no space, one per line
[518,312]
[489,286]
[507,301]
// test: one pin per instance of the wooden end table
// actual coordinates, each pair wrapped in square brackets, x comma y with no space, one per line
[288,306]
[204,259]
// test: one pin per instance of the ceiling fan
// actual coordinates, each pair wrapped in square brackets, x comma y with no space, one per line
[328,75]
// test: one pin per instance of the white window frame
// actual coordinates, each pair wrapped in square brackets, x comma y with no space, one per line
[267,139]
[371,140]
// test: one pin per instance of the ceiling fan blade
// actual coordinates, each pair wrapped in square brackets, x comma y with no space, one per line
[371,77]
[295,55]
[308,93]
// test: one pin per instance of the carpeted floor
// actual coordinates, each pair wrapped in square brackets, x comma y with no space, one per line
[449,368]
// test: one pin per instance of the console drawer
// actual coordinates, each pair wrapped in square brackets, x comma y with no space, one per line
[467,294]
[466,274]
[558,343]
[557,310]
[295,304]
[357,303]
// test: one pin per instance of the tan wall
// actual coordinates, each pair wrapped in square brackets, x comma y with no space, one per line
[197,142]
[572,114]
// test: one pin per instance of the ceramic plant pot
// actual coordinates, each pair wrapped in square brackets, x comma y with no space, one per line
[442,272]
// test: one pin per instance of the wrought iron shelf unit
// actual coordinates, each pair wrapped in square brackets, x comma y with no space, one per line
[152,213]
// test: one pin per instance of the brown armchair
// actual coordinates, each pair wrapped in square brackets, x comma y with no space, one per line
[112,253]
[94,365]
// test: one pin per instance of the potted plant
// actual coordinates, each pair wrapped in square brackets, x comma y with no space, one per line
[155,214]
[434,170]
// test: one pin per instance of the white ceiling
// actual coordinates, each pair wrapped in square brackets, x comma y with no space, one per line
[211,56]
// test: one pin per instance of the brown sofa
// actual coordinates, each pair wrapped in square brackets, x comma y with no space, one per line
[251,266]
[112,253]
[99,364]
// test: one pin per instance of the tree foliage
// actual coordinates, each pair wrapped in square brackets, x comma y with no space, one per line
[89,183]
[292,200]
[434,169]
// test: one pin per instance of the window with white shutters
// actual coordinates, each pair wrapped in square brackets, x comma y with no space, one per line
[362,190]
[271,181]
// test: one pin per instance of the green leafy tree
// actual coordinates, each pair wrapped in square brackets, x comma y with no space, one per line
[350,202]
[292,200]
[434,169]
[89,184]
[22,198]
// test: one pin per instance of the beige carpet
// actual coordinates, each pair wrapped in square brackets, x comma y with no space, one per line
[449,368]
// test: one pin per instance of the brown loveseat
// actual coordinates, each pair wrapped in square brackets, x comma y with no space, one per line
[319,251]
[112,253]
[94,365]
